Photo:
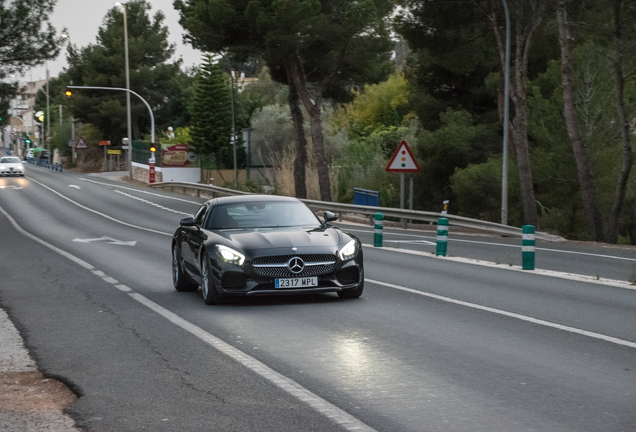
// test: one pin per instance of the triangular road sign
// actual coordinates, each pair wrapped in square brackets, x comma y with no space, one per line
[403,160]
[81,144]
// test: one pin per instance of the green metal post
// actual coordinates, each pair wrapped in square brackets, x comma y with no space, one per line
[527,247]
[377,235]
[442,236]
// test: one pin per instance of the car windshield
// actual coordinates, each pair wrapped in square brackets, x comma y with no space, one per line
[9,160]
[270,214]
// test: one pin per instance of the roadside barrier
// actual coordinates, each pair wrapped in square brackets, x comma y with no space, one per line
[377,234]
[442,236]
[44,163]
[527,247]
[369,211]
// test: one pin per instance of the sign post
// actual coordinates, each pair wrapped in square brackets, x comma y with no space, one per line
[403,161]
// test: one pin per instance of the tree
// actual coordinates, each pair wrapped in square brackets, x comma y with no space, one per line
[526,16]
[27,39]
[102,65]
[318,48]
[324,47]
[211,114]
[581,155]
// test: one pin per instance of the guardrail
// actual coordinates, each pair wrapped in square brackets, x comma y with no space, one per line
[370,211]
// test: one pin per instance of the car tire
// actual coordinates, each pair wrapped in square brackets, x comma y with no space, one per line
[210,295]
[352,293]
[179,279]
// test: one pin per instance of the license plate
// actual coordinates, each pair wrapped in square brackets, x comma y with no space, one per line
[297,282]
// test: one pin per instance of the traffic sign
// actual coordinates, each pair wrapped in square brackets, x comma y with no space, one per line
[403,160]
[117,152]
[81,144]
[101,143]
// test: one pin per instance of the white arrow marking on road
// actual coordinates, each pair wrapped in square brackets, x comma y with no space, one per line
[108,239]
[74,186]
[10,187]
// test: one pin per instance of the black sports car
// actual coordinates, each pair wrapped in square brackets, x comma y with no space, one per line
[264,245]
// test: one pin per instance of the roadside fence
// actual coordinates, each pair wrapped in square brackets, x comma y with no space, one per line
[45,163]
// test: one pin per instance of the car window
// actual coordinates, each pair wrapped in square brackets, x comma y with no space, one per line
[198,217]
[9,160]
[261,215]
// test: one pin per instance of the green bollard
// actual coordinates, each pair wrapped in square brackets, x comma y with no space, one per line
[442,236]
[527,247]
[377,234]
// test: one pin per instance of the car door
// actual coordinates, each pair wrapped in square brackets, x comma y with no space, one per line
[191,241]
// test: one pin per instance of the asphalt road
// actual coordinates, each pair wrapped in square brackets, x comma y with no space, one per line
[432,344]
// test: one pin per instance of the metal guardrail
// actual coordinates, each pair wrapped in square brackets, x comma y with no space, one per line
[418,215]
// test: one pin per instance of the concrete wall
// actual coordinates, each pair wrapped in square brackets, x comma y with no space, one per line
[193,175]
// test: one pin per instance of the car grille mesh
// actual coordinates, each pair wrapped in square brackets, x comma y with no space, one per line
[309,269]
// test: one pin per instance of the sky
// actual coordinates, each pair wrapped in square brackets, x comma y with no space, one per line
[82,18]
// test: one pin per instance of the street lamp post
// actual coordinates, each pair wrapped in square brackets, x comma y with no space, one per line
[152,117]
[129,131]
[48,114]
[234,133]
[504,177]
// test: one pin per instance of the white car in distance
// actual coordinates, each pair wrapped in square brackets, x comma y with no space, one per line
[11,165]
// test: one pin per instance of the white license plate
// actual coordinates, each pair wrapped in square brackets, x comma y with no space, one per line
[297,282]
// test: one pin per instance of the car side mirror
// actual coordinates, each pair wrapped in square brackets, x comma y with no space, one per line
[187,222]
[329,216]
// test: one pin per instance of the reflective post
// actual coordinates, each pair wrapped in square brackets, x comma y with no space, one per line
[442,237]
[527,247]
[377,234]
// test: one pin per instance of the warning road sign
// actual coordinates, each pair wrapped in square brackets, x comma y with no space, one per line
[81,144]
[403,160]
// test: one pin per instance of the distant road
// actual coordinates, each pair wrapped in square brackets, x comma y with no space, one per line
[432,344]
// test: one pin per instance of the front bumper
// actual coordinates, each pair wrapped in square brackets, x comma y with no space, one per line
[11,171]
[235,281]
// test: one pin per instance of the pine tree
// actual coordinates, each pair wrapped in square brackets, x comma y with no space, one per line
[211,116]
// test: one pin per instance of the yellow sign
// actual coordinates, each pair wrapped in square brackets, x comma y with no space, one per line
[114,151]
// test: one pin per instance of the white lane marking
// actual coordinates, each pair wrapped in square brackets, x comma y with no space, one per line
[123,288]
[139,191]
[153,204]
[509,314]
[497,244]
[341,417]
[109,240]
[110,280]
[11,187]
[48,245]
[426,242]
[98,213]
[75,186]
[550,273]
[99,273]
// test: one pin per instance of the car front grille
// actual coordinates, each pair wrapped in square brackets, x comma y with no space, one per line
[276,266]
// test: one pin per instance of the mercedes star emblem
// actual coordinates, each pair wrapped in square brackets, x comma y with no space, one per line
[295,265]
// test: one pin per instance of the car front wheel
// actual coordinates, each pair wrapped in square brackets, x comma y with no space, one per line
[179,280]
[210,295]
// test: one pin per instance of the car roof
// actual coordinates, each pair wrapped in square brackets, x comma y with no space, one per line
[250,198]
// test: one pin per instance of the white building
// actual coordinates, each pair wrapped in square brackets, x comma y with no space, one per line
[21,114]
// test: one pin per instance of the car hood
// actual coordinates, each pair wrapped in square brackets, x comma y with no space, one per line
[273,238]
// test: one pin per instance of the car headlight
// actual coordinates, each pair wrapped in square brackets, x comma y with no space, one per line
[230,255]
[2,167]
[20,166]
[349,251]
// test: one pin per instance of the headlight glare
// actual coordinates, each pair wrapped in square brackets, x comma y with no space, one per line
[230,255]
[349,250]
